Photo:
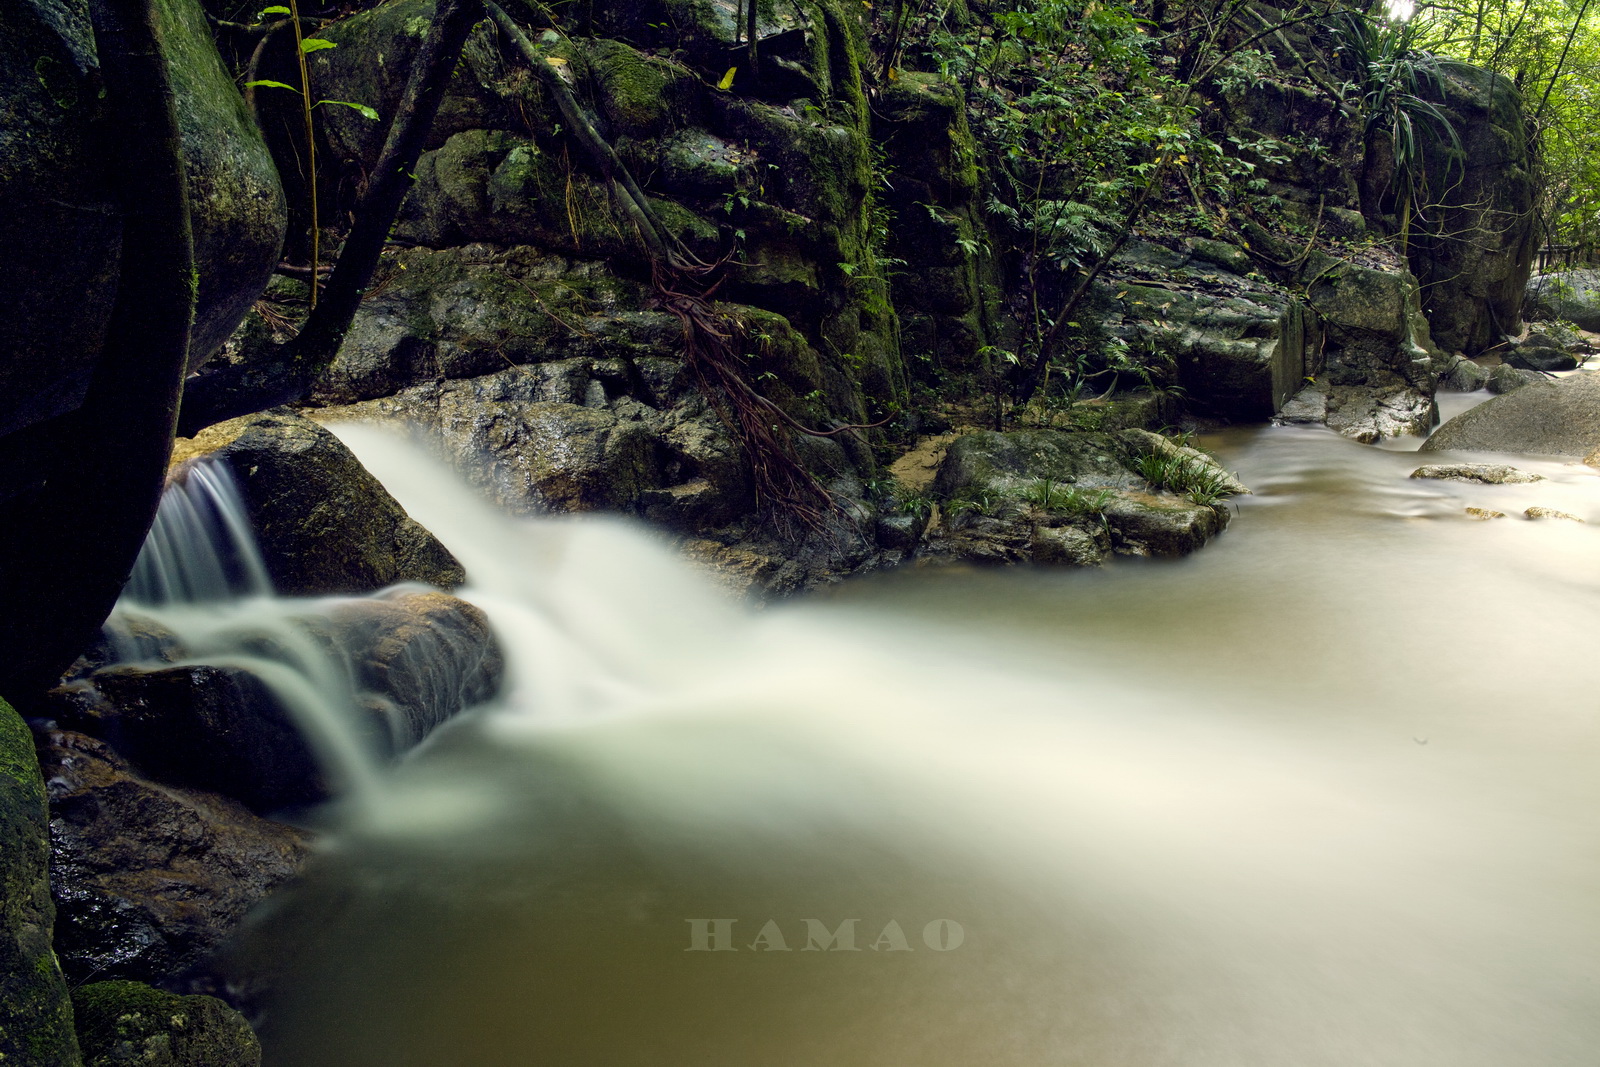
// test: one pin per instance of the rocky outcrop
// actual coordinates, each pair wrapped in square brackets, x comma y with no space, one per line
[409,661]
[1572,296]
[129,1024]
[149,880]
[1551,418]
[323,523]
[35,1014]
[1472,247]
[1485,473]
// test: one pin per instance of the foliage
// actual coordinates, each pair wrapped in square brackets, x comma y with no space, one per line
[1047,495]
[1199,483]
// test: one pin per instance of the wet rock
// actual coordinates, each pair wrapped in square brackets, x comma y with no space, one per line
[324,524]
[1552,418]
[1573,296]
[1369,414]
[1484,514]
[35,1014]
[1486,473]
[1464,376]
[411,660]
[1160,524]
[149,880]
[130,1024]
[1504,379]
[1069,546]
[1550,513]
[1307,407]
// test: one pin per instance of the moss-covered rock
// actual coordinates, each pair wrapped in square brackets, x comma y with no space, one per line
[129,1024]
[35,1014]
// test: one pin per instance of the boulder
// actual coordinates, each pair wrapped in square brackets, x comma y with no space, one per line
[408,660]
[1539,357]
[1464,376]
[130,1024]
[35,1013]
[149,880]
[1552,418]
[1485,473]
[1472,249]
[1505,378]
[1572,296]
[324,524]
[60,216]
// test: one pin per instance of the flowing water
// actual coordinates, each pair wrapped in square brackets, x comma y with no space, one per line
[1322,794]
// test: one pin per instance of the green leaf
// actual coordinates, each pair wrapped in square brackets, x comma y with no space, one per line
[315,44]
[270,85]
[366,111]
[276,9]
[727,79]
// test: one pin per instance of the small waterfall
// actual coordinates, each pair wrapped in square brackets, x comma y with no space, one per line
[201,548]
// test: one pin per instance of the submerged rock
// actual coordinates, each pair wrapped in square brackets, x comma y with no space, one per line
[1487,473]
[1484,514]
[149,880]
[1550,513]
[324,524]
[130,1024]
[413,660]
[1552,418]
[35,1014]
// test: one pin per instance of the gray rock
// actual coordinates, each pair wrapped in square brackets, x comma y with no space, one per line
[324,524]
[1487,473]
[1464,376]
[1553,418]
[1573,296]
[1505,378]
[1369,414]
[1550,513]
[149,880]
[1472,250]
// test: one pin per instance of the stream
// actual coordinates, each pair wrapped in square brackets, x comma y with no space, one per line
[1321,794]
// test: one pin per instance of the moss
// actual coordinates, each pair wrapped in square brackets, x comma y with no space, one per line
[639,95]
[130,1024]
[35,1014]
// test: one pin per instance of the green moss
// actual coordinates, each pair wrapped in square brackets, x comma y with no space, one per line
[130,1024]
[640,96]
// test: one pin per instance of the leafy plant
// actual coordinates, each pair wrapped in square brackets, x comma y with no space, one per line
[1199,483]
[1047,495]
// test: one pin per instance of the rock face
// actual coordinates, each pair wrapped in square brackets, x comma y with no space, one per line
[410,660]
[60,214]
[324,524]
[1473,252]
[128,1024]
[35,1014]
[1572,295]
[1552,418]
[149,880]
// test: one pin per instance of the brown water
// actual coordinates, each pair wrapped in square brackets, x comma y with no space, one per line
[1323,794]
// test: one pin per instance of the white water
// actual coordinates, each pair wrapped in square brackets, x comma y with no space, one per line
[1323,794]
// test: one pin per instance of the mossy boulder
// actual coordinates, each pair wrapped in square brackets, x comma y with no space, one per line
[1546,418]
[35,1014]
[129,1024]
[324,524]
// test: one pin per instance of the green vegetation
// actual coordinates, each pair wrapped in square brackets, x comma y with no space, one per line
[1047,495]
[1199,483]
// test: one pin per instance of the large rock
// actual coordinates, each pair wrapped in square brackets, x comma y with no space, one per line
[1472,248]
[149,880]
[35,1014]
[129,1024]
[324,524]
[408,662]
[59,219]
[1572,295]
[1551,418]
